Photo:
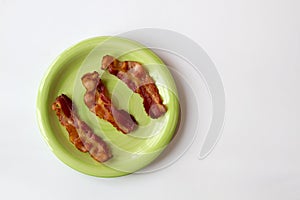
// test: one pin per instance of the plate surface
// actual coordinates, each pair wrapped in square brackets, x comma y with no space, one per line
[131,152]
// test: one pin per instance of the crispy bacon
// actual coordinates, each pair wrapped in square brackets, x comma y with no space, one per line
[97,100]
[138,80]
[80,134]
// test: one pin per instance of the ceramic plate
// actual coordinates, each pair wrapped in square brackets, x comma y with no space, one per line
[131,152]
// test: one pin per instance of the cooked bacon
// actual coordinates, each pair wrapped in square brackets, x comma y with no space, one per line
[80,134]
[138,80]
[97,100]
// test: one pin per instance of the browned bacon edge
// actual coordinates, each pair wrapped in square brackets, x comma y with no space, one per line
[97,100]
[80,134]
[138,80]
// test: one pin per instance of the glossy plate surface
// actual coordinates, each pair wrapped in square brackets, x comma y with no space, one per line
[131,152]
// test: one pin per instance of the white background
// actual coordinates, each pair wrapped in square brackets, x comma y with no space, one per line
[255,46]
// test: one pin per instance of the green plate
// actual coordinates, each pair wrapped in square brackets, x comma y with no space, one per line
[131,152]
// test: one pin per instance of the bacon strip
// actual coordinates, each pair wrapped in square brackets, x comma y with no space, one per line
[97,100]
[80,134]
[138,80]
